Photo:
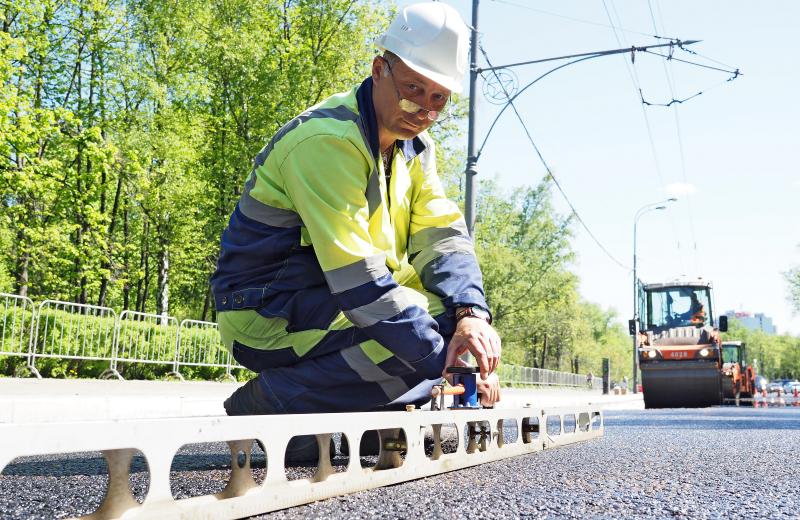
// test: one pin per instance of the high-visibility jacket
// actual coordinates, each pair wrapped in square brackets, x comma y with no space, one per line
[317,212]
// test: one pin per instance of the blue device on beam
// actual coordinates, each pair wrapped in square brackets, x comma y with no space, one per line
[465,376]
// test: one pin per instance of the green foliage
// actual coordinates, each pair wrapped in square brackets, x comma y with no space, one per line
[793,282]
[525,254]
[16,327]
[774,356]
[127,130]
[147,348]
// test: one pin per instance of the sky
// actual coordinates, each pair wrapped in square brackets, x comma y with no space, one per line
[729,155]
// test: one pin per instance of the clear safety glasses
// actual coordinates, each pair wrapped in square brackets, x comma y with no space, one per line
[410,107]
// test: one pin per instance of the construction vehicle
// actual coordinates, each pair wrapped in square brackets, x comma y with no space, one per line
[738,378]
[679,349]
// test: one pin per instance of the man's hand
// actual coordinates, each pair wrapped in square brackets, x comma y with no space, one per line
[477,337]
[489,390]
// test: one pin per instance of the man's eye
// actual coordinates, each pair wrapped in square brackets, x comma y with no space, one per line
[411,87]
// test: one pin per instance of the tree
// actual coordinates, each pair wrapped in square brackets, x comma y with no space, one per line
[793,281]
[127,130]
[774,355]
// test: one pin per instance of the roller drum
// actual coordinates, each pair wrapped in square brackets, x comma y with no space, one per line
[681,384]
[729,390]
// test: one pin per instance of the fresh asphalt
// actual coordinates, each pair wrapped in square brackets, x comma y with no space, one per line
[725,462]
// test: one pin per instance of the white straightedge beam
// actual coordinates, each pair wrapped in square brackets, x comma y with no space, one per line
[160,439]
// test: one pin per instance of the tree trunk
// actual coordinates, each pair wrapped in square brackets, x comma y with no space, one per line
[106,264]
[206,304]
[146,288]
[544,351]
[23,264]
[559,348]
[126,265]
[143,282]
[77,265]
[162,306]
[80,278]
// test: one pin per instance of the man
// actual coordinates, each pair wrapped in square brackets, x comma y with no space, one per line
[697,311]
[346,279]
[695,314]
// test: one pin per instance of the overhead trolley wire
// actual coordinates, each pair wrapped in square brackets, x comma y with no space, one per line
[634,76]
[632,73]
[547,167]
[673,43]
[578,20]
[682,155]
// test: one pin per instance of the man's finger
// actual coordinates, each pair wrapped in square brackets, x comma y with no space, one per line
[495,343]
[491,354]
[478,350]
[491,357]
[491,393]
[450,360]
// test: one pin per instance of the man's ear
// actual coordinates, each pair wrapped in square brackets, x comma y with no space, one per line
[377,68]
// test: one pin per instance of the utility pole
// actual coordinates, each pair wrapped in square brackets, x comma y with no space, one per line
[472,159]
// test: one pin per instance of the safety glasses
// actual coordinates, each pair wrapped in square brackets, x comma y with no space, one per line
[410,107]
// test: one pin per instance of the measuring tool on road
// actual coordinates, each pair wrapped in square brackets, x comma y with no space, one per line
[481,435]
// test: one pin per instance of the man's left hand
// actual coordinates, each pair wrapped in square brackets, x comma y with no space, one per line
[489,390]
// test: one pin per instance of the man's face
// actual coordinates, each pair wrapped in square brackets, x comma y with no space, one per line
[400,82]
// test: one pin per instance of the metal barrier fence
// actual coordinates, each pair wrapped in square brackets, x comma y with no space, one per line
[66,330]
[16,336]
[519,375]
[146,338]
[199,345]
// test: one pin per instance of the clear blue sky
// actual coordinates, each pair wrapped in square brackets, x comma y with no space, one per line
[738,219]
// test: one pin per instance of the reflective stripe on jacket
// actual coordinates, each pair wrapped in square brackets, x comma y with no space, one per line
[316,213]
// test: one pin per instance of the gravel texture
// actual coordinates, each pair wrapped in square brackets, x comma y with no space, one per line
[710,463]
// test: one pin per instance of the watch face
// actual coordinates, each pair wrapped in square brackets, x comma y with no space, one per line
[480,313]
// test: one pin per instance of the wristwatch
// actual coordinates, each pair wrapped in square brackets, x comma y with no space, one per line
[474,312]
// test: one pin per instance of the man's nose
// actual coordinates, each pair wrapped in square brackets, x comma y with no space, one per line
[421,115]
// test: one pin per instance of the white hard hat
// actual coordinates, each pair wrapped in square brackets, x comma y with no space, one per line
[432,39]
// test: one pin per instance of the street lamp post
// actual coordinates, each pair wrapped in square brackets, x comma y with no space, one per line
[647,208]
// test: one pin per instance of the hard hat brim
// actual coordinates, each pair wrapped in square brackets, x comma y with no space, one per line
[442,79]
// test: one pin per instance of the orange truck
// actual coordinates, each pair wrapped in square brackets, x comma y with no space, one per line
[738,378]
[679,348]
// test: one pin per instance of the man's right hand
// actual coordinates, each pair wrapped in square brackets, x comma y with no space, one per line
[477,337]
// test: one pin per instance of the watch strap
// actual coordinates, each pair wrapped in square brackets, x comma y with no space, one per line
[474,312]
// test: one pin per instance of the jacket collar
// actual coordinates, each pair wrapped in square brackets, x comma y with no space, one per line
[410,147]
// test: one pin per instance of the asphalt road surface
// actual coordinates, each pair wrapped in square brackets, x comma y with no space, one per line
[710,463]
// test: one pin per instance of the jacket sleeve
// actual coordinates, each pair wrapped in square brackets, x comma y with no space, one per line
[440,248]
[327,179]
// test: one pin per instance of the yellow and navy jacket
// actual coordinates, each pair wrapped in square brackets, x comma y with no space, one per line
[316,213]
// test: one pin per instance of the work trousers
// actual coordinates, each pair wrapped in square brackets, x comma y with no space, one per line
[335,369]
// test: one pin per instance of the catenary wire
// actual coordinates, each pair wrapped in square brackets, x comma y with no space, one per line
[550,172]
[578,20]
[634,76]
[682,155]
[690,51]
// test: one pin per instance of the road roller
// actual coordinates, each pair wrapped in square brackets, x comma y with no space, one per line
[678,345]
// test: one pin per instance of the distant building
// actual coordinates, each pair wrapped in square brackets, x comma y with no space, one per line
[757,321]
